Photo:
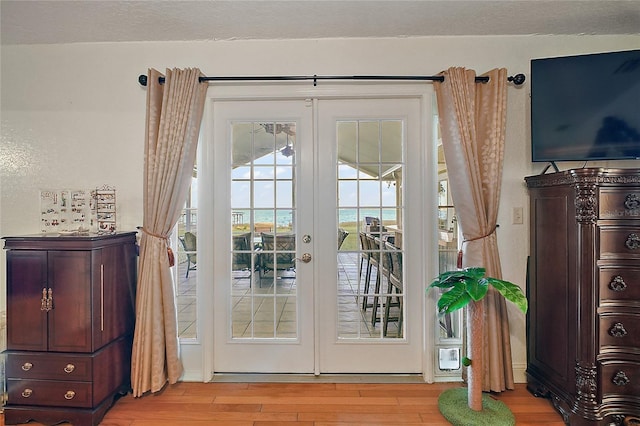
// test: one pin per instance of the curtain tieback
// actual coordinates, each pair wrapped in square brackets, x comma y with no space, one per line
[460,254]
[170,255]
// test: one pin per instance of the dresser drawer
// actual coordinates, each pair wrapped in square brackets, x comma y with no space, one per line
[620,378]
[619,283]
[619,330]
[38,365]
[619,203]
[619,242]
[49,392]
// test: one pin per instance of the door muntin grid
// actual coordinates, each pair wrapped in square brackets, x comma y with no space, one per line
[264,303]
[370,208]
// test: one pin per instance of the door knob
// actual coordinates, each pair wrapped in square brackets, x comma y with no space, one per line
[306,258]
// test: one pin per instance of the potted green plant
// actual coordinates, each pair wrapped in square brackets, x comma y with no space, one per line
[467,287]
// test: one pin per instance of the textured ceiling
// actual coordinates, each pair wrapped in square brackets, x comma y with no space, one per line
[56,21]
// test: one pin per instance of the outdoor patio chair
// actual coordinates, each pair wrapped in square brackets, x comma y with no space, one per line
[189,244]
[242,253]
[342,235]
[373,247]
[284,248]
[395,286]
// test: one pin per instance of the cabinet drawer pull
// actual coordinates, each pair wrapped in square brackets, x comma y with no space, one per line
[633,242]
[46,303]
[69,395]
[27,366]
[620,379]
[618,330]
[49,300]
[27,393]
[43,301]
[632,202]
[69,368]
[617,284]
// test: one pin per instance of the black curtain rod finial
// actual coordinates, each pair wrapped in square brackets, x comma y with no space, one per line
[517,79]
[142,79]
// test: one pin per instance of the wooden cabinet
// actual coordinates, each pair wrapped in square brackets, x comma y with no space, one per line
[70,319]
[583,325]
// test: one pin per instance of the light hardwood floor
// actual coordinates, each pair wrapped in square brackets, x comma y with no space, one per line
[312,404]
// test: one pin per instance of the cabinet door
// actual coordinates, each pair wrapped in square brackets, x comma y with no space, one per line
[69,276]
[553,295]
[26,278]
[114,293]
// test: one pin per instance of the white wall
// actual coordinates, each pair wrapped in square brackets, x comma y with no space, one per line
[73,115]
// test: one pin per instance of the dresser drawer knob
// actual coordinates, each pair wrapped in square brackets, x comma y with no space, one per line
[69,368]
[27,366]
[69,395]
[27,393]
[617,284]
[632,202]
[620,379]
[617,330]
[633,242]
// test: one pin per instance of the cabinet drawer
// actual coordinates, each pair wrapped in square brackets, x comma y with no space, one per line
[620,378]
[619,242]
[619,203]
[619,283]
[620,330]
[49,392]
[48,366]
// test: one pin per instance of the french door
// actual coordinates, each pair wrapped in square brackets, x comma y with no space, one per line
[370,297]
[314,200]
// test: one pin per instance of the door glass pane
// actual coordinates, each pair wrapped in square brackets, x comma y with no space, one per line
[186,271]
[369,211]
[449,327]
[449,324]
[391,145]
[263,211]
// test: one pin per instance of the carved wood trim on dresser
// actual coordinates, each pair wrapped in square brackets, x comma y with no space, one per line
[583,325]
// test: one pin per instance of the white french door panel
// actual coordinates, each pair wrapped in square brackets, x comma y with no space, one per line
[249,300]
[317,343]
[344,345]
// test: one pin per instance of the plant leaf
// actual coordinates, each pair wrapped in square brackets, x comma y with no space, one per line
[441,284]
[474,273]
[453,300]
[477,289]
[447,279]
[511,292]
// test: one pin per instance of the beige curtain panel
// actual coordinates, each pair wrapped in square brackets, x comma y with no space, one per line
[174,114]
[472,121]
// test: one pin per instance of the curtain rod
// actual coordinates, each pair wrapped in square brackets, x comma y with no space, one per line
[517,79]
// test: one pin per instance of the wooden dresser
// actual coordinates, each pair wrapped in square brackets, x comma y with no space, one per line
[70,319]
[583,325]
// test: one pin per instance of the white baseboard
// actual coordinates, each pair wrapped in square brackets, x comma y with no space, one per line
[191,376]
[519,372]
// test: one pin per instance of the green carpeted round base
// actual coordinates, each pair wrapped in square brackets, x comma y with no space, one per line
[454,406]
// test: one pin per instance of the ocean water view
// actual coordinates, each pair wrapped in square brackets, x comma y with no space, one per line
[283,218]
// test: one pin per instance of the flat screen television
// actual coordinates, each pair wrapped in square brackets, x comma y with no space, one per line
[586,107]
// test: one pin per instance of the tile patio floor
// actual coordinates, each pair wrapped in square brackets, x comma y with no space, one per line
[353,322]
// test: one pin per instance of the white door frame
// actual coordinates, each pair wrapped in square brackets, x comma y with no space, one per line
[196,354]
